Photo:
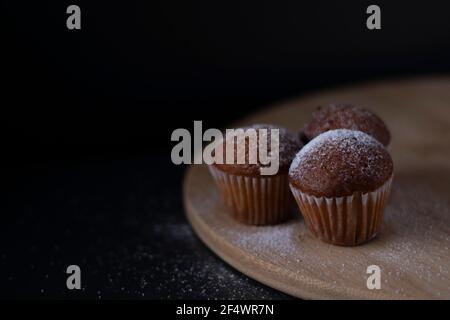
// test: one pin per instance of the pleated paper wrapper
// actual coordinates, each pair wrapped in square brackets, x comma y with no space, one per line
[346,221]
[261,200]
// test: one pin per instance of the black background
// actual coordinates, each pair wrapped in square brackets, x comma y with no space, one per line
[87,118]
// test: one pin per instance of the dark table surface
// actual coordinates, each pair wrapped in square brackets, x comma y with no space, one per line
[120,219]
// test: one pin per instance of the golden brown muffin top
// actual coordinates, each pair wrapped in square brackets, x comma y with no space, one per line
[346,116]
[289,145]
[340,162]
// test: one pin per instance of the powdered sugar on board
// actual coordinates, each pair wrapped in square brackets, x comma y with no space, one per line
[412,249]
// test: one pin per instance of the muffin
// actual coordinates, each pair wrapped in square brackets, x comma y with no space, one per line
[252,197]
[341,181]
[345,116]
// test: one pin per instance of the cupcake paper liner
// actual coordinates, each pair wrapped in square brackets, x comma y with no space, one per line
[346,221]
[255,200]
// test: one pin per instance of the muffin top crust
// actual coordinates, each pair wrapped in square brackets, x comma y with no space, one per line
[340,162]
[289,145]
[346,116]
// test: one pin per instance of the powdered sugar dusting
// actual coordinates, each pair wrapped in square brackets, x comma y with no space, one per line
[245,148]
[346,116]
[338,160]
[343,139]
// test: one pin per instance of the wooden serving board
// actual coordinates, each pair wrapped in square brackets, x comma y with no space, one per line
[412,249]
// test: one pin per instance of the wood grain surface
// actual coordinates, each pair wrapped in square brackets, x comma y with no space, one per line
[413,248]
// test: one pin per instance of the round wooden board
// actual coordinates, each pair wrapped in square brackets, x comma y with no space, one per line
[412,249]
